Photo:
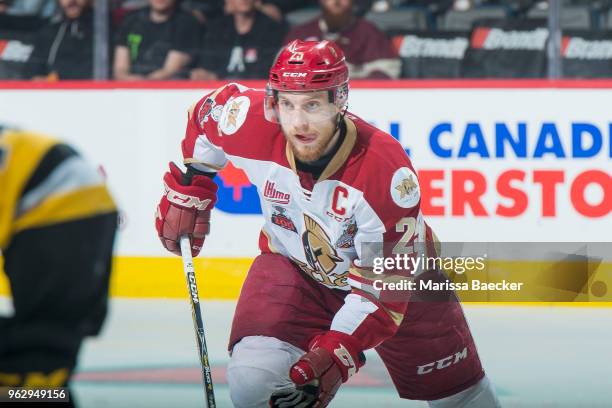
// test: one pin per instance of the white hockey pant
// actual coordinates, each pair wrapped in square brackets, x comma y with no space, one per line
[260,365]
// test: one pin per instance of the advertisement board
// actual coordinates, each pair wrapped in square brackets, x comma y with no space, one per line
[499,161]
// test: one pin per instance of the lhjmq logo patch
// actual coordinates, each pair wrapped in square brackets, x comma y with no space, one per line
[234,114]
[405,189]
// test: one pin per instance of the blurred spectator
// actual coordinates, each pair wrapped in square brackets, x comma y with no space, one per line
[286,6]
[204,10]
[4,5]
[271,10]
[156,42]
[368,51]
[64,49]
[276,9]
[240,45]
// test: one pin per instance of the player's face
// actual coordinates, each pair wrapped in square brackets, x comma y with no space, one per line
[336,7]
[162,6]
[308,121]
[73,8]
[239,6]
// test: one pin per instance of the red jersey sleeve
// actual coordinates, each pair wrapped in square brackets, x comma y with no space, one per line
[389,222]
[227,122]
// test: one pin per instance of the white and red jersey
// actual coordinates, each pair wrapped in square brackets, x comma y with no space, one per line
[368,192]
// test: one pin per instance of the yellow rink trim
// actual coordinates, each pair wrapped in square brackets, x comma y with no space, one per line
[221,278]
[217,278]
[163,277]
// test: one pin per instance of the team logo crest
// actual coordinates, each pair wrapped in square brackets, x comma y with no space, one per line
[280,218]
[405,189]
[347,239]
[321,256]
[205,110]
[209,109]
[342,95]
[234,114]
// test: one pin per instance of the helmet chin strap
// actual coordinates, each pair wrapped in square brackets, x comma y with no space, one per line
[339,119]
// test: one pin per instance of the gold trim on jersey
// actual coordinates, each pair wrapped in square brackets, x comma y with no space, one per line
[364,273]
[395,316]
[339,158]
[269,238]
[343,153]
[290,157]
[373,276]
[82,203]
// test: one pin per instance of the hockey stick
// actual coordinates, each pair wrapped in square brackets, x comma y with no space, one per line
[198,325]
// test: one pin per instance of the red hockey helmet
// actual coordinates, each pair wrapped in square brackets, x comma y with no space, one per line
[307,66]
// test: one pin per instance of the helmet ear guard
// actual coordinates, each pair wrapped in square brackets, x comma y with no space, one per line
[341,96]
[270,105]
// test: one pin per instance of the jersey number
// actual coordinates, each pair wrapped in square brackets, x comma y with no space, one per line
[407,225]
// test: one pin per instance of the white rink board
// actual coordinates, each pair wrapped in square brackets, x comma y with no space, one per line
[134,133]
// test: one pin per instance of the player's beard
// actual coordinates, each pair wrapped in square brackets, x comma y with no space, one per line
[311,152]
[308,153]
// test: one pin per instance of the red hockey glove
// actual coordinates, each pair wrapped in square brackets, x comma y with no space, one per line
[185,209]
[333,358]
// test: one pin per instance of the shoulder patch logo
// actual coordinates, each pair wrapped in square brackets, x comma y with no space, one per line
[234,114]
[205,111]
[405,189]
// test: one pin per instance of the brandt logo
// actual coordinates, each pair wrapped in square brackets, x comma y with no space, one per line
[579,48]
[497,39]
[413,46]
[270,193]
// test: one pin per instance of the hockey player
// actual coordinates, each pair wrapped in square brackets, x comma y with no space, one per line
[57,227]
[329,183]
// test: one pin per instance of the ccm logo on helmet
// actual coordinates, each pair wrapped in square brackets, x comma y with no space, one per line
[295,74]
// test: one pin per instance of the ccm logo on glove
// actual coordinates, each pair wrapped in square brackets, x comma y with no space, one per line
[184,209]
[185,200]
[345,358]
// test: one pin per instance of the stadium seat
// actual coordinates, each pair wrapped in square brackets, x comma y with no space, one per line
[41,8]
[17,35]
[431,54]
[301,16]
[607,24]
[463,20]
[507,49]
[572,17]
[587,54]
[412,18]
